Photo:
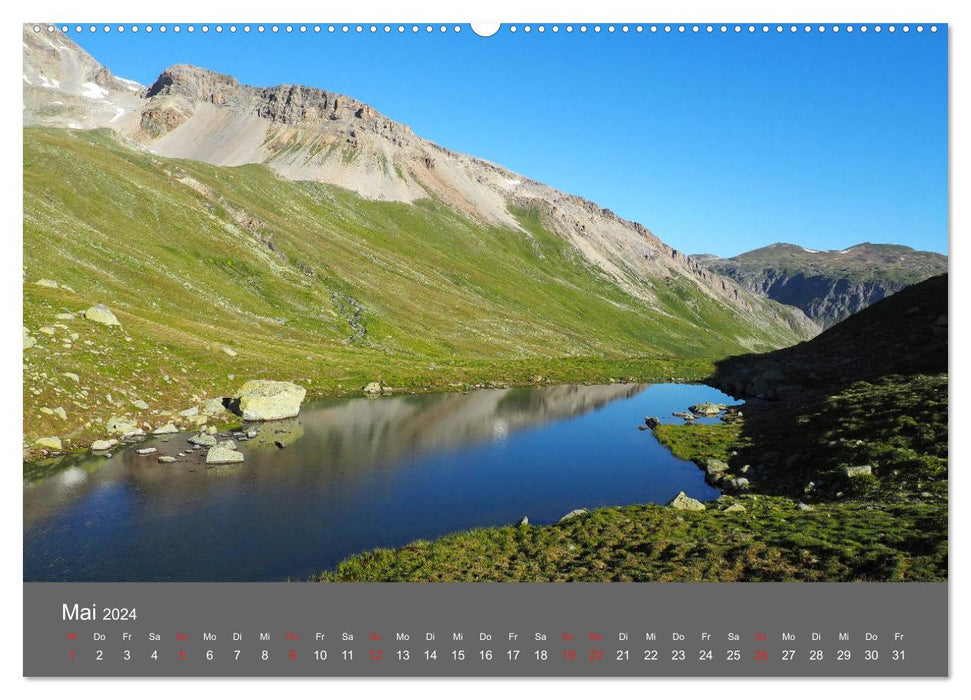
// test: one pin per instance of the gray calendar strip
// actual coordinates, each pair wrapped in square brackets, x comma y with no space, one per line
[619,629]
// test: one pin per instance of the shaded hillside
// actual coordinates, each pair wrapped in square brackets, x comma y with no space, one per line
[828,285]
[903,334]
[859,412]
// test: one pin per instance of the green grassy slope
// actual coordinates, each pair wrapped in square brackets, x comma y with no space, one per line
[310,283]
[771,540]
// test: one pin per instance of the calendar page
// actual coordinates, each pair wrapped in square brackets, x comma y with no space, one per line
[492,350]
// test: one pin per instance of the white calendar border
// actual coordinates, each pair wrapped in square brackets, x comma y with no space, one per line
[485,11]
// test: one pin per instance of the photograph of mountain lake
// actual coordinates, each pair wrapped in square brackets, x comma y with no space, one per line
[276,329]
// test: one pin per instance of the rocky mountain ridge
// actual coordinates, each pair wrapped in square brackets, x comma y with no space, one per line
[827,285]
[310,134]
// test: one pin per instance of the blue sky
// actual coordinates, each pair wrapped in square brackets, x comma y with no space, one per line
[716,142]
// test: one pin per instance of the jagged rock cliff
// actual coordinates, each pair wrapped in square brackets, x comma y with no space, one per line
[828,285]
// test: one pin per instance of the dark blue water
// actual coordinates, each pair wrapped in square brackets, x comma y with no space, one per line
[356,474]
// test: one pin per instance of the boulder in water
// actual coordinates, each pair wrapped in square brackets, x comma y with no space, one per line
[220,454]
[203,440]
[707,408]
[262,400]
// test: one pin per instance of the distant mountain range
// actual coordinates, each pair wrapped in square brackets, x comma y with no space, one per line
[828,285]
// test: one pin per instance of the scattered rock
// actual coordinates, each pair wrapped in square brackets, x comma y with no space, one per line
[60,413]
[102,445]
[220,454]
[684,502]
[49,443]
[572,514]
[47,330]
[189,412]
[715,466]
[101,314]
[707,408]
[804,506]
[203,440]
[735,508]
[652,422]
[739,484]
[372,388]
[213,407]
[862,470]
[262,400]
[72,376]
[118,425]
[65,317]
[139,404]
[167,429]
[230,352]
[46,283]
[524,521]
[166,459]
[29,340]
[146,451]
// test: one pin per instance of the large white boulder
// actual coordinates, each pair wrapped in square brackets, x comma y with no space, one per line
[261,399]
[101,314]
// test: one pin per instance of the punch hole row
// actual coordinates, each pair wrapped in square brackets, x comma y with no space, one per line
[512,29]
[259,28]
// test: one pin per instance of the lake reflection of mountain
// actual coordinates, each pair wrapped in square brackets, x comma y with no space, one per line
[353,474]
[379,432]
